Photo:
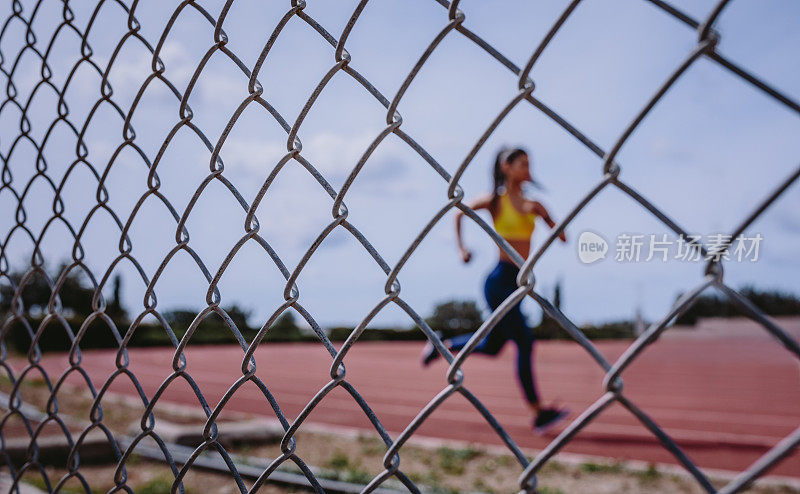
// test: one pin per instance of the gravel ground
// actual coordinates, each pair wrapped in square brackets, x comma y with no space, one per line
[437,467]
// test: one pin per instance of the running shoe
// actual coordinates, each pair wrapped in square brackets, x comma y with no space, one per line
[547,418]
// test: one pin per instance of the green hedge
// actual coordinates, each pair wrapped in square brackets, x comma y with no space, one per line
[211,331]
[773,303]
[341,333]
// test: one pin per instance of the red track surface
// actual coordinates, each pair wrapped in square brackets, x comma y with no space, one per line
[725,401]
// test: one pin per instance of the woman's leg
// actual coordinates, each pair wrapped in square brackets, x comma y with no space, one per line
[523,337]
[457,342]
[491,344]
[514,326]
[521,333]
[496,289]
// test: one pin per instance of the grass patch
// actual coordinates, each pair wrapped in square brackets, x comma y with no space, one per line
[649,474]
[452,460]
[480,485]
[553,467]
[371,445]
[159,485]
[35,383]
[339,461]
[28,382]
[590,467]
[549,490]
[5,381]
[38,481]
[347,470]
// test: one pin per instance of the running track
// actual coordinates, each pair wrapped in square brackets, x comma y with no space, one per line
[725,400]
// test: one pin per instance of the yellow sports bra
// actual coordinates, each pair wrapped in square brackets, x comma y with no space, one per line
[511,224]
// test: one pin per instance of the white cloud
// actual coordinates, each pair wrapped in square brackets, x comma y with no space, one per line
[334,155]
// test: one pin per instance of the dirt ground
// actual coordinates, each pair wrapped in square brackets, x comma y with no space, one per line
[357,457]
[440,470]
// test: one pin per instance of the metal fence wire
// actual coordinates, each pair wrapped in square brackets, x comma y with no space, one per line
[40,44]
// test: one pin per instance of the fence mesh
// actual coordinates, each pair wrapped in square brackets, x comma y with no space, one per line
[40,44]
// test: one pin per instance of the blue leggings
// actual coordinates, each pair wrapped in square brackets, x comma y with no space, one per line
[500,283]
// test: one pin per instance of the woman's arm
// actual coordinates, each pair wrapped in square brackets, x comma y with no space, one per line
[482,202]
[539,209]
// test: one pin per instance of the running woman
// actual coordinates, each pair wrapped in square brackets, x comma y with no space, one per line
[514,219]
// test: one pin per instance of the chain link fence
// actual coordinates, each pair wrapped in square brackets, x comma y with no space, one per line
[40,44]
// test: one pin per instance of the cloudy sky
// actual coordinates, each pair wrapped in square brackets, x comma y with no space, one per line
[706,155]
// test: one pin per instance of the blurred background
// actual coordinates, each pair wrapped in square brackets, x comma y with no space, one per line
[706,155]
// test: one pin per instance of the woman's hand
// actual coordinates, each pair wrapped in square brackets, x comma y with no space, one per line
[466,255]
